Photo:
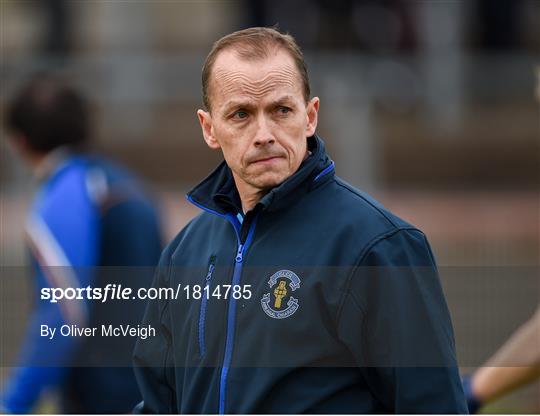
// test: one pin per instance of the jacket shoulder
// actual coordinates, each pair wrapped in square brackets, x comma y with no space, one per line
[367,206]
[358,216]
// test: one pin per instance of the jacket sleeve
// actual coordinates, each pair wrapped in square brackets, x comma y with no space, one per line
[153,356]
[395,322]
[62,234]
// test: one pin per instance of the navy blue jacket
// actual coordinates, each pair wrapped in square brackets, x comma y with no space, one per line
[346,313]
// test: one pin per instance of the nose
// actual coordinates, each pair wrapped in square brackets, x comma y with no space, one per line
[263,135]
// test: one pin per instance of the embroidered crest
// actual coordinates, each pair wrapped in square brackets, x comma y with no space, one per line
[279,302]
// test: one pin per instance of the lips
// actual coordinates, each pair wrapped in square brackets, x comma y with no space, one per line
[266,159]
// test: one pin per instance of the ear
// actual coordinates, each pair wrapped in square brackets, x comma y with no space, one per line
[312,116]
[205,119]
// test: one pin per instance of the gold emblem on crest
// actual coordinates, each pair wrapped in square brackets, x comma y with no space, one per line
[280,292]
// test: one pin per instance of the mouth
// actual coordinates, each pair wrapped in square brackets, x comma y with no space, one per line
[266,160]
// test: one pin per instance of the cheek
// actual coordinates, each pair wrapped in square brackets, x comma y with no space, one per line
[298,126]
[234,148]
[296,138]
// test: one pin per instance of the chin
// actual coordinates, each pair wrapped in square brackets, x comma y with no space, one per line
[268,181]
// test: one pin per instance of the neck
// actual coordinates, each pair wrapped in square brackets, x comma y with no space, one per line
[45,164]
[35,161]
[249,195]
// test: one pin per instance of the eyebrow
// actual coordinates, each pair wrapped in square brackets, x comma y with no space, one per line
[286,99]
[229,105]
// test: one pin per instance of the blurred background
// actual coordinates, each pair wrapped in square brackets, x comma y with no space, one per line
[433,107]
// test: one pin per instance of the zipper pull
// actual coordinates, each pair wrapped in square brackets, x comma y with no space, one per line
[211,268]
[240,253]
[210,272]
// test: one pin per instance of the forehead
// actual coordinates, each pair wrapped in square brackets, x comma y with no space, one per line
[234,78]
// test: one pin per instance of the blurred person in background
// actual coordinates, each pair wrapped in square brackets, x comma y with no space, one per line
[515,364]
[88,212]
[349,342]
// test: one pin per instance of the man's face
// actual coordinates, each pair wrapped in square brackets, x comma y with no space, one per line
[259,118]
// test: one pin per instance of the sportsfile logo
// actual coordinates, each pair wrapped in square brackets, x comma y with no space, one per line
[110,292]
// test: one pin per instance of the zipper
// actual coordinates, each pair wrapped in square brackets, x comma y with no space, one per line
[237,273]
[204,301]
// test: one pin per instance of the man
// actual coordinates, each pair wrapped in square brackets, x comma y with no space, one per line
[336,305]
[88,213]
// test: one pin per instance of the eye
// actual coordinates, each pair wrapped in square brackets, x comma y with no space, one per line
[282,110]
[240,114]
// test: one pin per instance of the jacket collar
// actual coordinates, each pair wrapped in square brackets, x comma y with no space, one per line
[218,194]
